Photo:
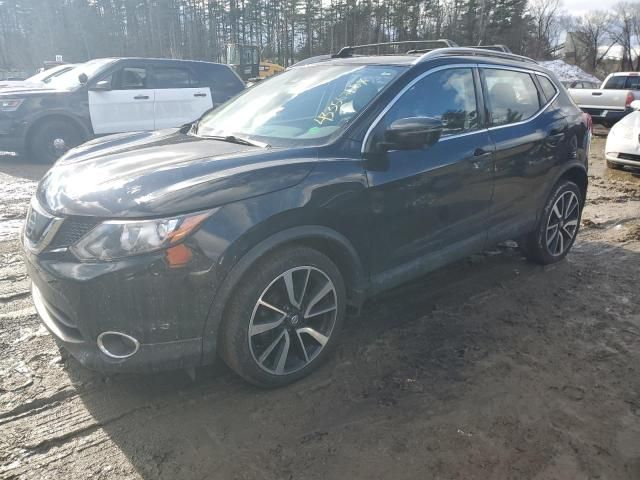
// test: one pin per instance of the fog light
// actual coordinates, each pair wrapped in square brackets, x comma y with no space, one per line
[117,345]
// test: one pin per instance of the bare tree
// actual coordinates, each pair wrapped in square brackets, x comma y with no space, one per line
[593,32]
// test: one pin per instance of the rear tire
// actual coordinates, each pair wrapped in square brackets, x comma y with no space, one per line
[52,139]
[557,227]
[284,318]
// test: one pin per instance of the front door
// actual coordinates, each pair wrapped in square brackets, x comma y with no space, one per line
[128,105]
[430,205]
[180,98]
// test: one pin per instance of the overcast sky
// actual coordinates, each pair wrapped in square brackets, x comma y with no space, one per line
[577,7]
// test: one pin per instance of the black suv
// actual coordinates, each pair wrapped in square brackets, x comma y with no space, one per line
[248,233]
[110,95]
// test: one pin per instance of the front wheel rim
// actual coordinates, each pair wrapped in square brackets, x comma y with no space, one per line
[293,320]
[562,224]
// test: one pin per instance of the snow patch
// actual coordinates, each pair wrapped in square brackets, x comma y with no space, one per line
[567,72]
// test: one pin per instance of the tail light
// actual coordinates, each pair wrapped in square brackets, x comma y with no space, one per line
[587,120]
[630,98]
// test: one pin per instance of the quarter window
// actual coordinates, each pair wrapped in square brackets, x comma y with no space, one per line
[447,95]
[512,96]
[548,89]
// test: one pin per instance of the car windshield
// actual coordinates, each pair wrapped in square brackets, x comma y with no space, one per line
[302,106]
[48,74]
[69,80]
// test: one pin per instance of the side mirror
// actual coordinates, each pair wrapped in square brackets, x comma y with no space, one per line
[412,133]
[82,78]
[101,86]
[635,104]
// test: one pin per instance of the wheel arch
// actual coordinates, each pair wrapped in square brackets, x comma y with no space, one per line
[578,175]
[324,239]
[86,131]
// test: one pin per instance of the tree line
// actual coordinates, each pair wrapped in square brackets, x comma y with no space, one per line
[32,31]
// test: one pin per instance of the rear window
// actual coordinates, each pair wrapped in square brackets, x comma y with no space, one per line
[632,83]
[548,88]
[615,83]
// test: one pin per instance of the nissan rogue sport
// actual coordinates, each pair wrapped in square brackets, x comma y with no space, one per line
[249,233]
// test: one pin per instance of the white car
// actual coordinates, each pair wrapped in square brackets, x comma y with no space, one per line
[623,143]
[39,78]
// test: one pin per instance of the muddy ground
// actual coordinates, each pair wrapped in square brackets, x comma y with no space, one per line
[491,368]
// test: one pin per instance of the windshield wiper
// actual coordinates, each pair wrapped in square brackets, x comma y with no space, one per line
[239,140]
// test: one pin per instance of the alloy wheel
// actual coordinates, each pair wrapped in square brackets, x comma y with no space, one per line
[562,224]
[292,320]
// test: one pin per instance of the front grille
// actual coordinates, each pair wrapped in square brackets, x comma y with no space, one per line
[629,156]
[71,230]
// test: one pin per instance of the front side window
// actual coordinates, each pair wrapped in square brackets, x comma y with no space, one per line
[512,96]
[130,78]
[302,106]
[447,95]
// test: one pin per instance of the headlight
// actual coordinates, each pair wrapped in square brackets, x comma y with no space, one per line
[10,105]
[117,239]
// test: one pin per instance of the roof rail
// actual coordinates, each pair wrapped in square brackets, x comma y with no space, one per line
[497,48]
[441,43]
[464,51]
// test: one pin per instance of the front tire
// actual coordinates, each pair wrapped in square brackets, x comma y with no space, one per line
[52,139]
[284,318]
[558,225]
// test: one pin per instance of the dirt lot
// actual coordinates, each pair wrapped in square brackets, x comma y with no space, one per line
[490,368]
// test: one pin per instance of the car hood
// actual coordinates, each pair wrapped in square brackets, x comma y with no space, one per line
[165,172]
[29,89]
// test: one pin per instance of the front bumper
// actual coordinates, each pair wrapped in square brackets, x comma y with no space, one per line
[629,159]
[603,116]
[12,133]
[163,310]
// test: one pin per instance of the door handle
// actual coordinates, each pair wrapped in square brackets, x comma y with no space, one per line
[199,94]
[141,97]
[479,154]
[596,93]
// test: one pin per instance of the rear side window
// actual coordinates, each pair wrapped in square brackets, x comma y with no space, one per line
[632,83]
[173,77]
[548,89]
[615,83]
[448,95]
[512,96]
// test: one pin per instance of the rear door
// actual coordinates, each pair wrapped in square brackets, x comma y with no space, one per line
[128,105]
[528,130]
[180,96]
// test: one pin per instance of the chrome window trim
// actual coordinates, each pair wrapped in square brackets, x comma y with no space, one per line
[523,70]
[393,101]
[542,109]
[49,232]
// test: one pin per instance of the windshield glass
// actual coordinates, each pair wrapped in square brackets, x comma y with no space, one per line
[303,106]
[69,80]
